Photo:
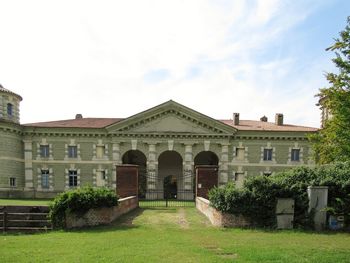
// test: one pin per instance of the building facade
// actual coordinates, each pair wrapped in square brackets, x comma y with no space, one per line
[167,142]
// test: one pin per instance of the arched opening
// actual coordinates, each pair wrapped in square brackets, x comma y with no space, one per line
[206,158]
[138,158]
[170,174]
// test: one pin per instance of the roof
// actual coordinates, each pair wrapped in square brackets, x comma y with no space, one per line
[10,92]
[77,123]
[249,125]
[244,125]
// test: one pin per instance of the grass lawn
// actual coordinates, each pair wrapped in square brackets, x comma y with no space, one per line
[25,201]
[173,235]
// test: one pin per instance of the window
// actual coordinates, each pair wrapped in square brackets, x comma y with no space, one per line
[295,155]
[240,154]
[100,151]
[101,178]
[267,154]
[72,151]
[103,175]
[9,109]
[12,182]
[239,179]
[44,151]
[73,178]
[45,178]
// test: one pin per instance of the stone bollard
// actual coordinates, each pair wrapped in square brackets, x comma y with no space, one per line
[318,199]
[285,213]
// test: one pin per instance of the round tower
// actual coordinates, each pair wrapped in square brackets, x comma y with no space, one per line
[9,105]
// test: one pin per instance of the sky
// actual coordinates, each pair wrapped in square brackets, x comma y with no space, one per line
[117,58]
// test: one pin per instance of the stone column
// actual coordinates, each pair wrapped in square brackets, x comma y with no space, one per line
[116,158]
[152,173]
[28,165]
[318,198]
[223,165]
[186,192]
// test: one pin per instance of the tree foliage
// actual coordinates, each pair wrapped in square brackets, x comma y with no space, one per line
[332,143]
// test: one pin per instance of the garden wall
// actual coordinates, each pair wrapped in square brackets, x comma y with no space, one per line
[102,216]
[218,218]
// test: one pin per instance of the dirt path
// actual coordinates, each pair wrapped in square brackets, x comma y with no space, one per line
[178,217]
[182,221]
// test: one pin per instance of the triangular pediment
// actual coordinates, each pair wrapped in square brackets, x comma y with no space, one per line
[171,117]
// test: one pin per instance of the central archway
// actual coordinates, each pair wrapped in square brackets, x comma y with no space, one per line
[169,174]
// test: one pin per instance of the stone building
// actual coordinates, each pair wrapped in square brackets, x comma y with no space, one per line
[166,141]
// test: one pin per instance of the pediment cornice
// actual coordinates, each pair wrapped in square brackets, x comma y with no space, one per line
[171,108]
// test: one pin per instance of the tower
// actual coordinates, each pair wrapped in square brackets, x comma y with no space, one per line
[9,105]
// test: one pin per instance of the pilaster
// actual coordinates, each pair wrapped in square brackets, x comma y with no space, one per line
[116,158]
[152,170]
[223,165]
[28,164]
[187,173]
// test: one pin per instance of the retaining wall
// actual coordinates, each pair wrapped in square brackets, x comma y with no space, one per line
[102,216]
[218,218]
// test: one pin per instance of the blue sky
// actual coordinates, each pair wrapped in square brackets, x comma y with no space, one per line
[117,58]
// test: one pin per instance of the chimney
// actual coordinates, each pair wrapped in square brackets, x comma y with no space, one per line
[235,118]
[279,119]
[78,116]
[263,118]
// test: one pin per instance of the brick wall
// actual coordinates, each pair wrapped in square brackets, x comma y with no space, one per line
[218,218]
[102,216]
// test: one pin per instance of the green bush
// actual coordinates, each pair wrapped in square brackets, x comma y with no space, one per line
[256,200]
[80,201]
[258,196]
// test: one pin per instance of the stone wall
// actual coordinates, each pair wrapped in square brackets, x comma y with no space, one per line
[102,216]
[218,218]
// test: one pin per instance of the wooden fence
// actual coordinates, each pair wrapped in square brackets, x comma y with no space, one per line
[24,219]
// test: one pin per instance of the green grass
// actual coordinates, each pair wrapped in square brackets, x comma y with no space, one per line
[174,235]
[25,201]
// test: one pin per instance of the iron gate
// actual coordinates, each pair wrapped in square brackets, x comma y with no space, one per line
[168,191]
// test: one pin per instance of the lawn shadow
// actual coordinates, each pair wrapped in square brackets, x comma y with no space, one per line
[125,222]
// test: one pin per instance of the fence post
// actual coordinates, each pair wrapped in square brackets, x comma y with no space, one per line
[4,223]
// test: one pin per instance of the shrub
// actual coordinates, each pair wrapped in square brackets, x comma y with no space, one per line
[80,201]
[256,200]
[258,197]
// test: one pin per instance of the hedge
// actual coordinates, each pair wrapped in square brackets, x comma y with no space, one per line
[258,196]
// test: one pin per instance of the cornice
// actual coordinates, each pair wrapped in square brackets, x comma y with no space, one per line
[172,135]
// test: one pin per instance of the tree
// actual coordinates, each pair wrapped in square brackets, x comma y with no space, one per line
[332,143]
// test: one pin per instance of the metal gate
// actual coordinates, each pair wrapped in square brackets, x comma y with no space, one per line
[169,191]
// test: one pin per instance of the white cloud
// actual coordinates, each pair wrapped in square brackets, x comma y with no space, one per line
[96,57]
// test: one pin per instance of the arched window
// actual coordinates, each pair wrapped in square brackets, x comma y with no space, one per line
[9,109]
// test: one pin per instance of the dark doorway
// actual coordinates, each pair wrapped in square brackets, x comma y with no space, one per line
[170,187]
